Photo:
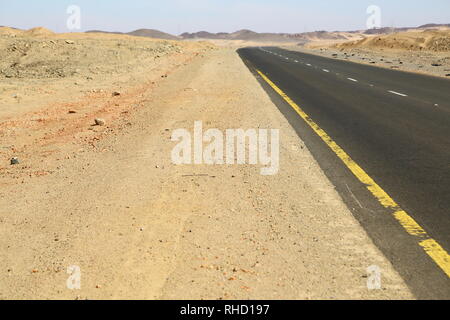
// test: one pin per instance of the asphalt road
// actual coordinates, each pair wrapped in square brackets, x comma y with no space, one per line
[396,126]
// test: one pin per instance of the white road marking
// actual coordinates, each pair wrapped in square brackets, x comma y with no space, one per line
[308,65]
[398,93]
[351,79]
[325,70]
[296,61]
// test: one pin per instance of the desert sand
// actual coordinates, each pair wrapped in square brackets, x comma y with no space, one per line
[423,51]
[109,200]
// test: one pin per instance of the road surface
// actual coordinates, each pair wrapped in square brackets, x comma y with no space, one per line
[383,138]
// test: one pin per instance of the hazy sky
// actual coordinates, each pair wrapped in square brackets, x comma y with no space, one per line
[176,16]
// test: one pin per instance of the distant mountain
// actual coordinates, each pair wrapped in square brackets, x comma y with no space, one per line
[320,35]
[99,31]
[245,34]
[248,35]
[387,30]
[149,33]
[433,25]
[203,35]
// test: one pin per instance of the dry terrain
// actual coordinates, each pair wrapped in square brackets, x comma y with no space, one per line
[108,199]
[425,51]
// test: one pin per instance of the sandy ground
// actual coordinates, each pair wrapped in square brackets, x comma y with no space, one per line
[109,200]
[425,51]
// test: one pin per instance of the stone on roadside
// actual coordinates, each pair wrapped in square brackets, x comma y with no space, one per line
[100,122]
[14,161]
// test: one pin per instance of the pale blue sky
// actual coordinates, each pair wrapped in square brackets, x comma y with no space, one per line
[176,16]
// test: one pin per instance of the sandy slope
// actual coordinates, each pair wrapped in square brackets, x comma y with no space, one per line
[422,51]
[110,201]
[424,40]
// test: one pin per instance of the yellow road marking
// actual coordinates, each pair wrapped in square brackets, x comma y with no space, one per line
[429,245]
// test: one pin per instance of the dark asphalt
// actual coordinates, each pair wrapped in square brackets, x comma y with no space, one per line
[401,141]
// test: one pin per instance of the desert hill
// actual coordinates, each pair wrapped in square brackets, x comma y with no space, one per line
[34,32]
[417,40]
[247,35]
[149,33]
[306,37]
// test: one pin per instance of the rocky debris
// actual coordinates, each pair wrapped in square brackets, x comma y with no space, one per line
[43,58]
[14,161]
[72,111]
[100,122]
[434,63]
[116,93]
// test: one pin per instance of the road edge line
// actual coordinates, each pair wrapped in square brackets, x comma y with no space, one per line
[431,247]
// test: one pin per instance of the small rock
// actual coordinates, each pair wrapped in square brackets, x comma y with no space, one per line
[14,161]
[100,122]
[116,93]
[72,111]
[447,75]
[436,64]
[70,42]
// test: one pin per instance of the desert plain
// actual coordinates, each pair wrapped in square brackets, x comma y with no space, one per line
[108,198]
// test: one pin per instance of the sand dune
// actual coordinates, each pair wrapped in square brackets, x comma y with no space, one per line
[427,40]
[148,33]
